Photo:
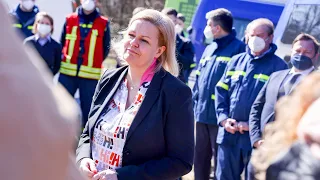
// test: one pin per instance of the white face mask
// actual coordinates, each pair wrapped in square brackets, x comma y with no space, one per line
[88,5]
[178,29]
[44,29]
[208,32]
[256,44]
[28,5]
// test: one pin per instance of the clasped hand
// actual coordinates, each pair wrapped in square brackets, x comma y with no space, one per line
[232,126]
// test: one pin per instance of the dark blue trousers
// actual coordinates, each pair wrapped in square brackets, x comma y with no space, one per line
[205,150]
[86,90]
[231,162]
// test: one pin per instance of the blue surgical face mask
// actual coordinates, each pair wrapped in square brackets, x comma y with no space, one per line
[301,62]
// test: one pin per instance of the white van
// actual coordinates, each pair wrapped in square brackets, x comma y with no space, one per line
[298,16]
[58,9]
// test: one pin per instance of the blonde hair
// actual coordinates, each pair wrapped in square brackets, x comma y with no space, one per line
[167,38]
[282,133]
[39,16]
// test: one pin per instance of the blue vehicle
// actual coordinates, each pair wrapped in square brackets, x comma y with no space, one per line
[243,11]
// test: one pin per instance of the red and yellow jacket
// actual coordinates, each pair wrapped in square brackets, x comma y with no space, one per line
[93,43]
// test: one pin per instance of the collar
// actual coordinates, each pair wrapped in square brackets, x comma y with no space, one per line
[34,10]
[270,51]
[258,57]
[221,42]
[149,73]
[90,16]
[303,73]
[37,37]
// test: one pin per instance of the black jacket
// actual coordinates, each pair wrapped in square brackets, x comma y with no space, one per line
[296,164]
[160,142]
[50,52]
[185,54]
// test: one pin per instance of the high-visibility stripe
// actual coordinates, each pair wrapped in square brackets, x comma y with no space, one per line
[71,37]
[30,27]
[86,25]
[68,71]
[72,43]
[223,58]
[261,77]
[69,66]
[89,75]
[198,72]
[92,46]
[193,65]
[213,97]
[90,69]
[223,85]
[202,61]
[236,73]
[17,25]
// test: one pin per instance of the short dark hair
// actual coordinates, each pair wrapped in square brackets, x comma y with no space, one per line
[170,11]
[181,17]
[137,9]
[221,17]
[307,37]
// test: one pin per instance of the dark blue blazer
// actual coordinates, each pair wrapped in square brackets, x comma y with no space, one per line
[263,109]
[160,142]
[50,52]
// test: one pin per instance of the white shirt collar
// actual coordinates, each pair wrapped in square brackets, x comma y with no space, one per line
[37,37]
[304,72]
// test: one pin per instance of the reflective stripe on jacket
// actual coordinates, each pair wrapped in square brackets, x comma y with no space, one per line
[93,54]
[210,69]
[238,88]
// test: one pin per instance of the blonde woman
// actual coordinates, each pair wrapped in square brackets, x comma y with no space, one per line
[141,120]
[283,154]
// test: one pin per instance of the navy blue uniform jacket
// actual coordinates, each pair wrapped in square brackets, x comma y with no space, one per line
[160,142]
[210,71]
[23,21]
[238,88]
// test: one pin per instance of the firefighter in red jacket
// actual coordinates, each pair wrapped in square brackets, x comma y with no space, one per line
[86,42]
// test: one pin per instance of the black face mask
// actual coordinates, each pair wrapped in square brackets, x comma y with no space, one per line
[301,62]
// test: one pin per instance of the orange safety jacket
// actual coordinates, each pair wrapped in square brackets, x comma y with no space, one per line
[93,44]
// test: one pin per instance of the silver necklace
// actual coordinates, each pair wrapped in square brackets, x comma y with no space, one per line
[131,84]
